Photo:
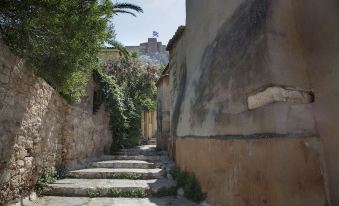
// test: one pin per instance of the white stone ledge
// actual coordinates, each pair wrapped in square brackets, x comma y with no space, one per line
[279,94]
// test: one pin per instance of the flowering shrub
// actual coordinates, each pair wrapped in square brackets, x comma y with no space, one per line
[127,87]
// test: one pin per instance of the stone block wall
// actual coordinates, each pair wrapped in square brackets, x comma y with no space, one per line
[39,129]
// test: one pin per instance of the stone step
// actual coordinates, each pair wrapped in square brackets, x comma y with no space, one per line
[145,153]
[141,148]
[135,157]
[103,187]
[85,201]
[109,173]
[152,142]
[137,164]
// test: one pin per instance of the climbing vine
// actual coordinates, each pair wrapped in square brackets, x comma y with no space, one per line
[127,87]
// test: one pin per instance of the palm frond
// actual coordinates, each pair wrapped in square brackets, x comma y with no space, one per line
[118,11]
[128,6]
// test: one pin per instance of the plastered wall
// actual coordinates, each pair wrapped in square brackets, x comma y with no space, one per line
[282,55]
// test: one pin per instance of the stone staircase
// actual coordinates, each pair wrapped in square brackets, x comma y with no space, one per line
[139,170]
[152,141]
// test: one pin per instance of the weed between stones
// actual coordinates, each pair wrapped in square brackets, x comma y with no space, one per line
[92,193]
[133,193]
[46,178]
[127,175]
[164,191]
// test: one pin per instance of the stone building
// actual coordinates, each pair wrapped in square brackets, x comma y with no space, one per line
[254,101]
[152,50]
[151,46]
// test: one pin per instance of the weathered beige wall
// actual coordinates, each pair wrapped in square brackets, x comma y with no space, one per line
[228,56]
[148,124]
[40,130]
[274,172]
[319,33]
[163,114]
[234,52]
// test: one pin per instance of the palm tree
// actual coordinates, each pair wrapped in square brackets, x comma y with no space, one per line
[126,8]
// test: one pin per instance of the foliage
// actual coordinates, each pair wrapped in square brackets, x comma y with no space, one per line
[164,191]
[60,173]
[46,178]
[127,175]
[127,87]
[133,193]
[161,69]
[175,171]
[92,193]
[135,54]
[125,53]
[126,8]
[60,39]
[189,183]
[137,79]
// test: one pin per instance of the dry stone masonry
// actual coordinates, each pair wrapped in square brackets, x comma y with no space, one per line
[40,130]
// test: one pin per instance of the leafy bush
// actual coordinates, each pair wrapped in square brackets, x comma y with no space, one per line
[127,87]
[192,190]
[60,173]
[46,178]
[191,186]
[164,191]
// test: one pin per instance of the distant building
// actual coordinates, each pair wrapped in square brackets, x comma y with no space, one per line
[151,50]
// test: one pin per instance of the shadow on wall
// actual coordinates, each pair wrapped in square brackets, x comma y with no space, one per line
[232,49]
[180,98]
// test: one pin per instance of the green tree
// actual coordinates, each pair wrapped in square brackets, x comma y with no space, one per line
[60,39]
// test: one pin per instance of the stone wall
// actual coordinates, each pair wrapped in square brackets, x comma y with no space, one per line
[254,102]
[40,130]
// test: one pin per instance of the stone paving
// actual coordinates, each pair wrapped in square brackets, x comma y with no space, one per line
[85,201]
[144,161]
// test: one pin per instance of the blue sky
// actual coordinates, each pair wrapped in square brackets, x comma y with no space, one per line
[163,16]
